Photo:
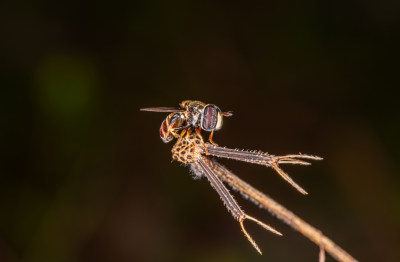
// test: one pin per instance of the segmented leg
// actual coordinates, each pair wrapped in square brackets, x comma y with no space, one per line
[210,139]
[182,133]
[198,130]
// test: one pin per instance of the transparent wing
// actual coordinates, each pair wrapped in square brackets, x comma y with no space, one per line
[163,109]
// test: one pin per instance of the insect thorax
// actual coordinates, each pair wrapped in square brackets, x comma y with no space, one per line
[194,111]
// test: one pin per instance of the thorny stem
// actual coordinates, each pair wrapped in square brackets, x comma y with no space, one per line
[203,166]
[281,212]
[261,158]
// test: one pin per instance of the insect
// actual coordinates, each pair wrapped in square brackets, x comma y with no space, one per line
[191,150]
[171,126]
[190,115]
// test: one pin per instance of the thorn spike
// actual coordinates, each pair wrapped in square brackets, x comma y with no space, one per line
[287,178]
[251,240]
[265,226]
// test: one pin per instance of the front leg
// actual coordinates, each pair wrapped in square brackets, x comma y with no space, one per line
[198,130]
[210,139]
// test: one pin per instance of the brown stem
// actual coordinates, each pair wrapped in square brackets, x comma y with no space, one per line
[281,212]
[261,158]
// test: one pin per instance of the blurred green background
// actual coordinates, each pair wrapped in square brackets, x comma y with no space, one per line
[85,177]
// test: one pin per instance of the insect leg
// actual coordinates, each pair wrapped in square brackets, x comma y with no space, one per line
[210,138]
[182,127]
[198,130]
[182,133]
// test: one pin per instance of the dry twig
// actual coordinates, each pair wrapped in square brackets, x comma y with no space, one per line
[281,212]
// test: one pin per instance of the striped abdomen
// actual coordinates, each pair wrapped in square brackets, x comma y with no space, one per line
[171,125]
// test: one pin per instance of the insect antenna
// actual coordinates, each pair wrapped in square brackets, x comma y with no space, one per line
[229,113]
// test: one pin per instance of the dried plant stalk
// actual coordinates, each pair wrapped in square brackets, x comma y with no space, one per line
[280,211]
[191,150]
[201,167]
[265,159]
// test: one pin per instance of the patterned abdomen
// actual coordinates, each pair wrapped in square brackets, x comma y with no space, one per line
[170,126]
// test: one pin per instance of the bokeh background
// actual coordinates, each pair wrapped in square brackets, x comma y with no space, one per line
[85,177]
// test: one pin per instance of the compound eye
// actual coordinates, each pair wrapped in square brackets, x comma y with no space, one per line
[219,121]
[209,118]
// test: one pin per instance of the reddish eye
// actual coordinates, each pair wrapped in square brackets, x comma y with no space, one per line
[209,118]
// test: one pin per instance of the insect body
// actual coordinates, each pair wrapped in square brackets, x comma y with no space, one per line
[190,116]
[171,126]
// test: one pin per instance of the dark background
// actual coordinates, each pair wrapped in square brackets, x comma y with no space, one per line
[85,176]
